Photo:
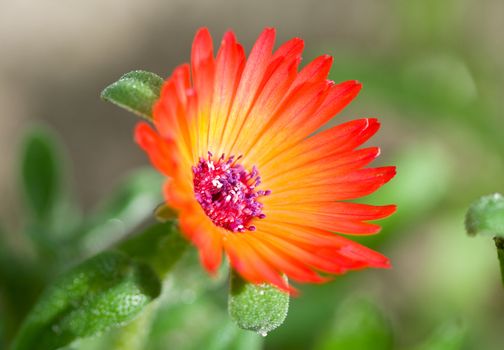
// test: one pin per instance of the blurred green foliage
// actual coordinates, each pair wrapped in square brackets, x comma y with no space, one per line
[60,237]
[358,325]
[450,336]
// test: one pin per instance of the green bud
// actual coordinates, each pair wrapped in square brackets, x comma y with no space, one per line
[135,91]
[259,308]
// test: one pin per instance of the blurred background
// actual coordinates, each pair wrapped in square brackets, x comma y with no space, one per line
[433,72]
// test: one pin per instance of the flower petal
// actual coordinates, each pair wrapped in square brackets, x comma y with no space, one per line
[306,109]
[205,236]
[354,185]
[294,268]
[229,67]
[338,139]
[247,262]
[248,88]
[160,151]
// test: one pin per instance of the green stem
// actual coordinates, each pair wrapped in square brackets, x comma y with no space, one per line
[160,246]
[499,243]
[134,335]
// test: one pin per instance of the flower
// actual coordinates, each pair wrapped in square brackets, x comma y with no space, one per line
[233,137]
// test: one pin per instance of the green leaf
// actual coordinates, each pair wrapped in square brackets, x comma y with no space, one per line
[133,201]
[40,173]
[259,308]
[486,216]
[359,324]
[133,336]
[102,293]
[160,246]
[135,91]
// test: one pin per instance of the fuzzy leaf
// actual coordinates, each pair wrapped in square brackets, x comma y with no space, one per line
[104,292]
[486,216]
[259,308]
[135,91]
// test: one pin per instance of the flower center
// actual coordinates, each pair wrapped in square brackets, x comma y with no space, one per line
[227,192]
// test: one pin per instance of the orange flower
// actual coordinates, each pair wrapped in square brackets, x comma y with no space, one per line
[233,139]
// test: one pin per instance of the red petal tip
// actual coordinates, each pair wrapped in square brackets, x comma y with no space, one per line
[141,132]
[202,31]
[267,32]
[392,208]
[357,85]
[386,265]
[229,37]
[287,288]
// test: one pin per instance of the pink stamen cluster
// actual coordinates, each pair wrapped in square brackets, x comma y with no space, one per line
[227,192]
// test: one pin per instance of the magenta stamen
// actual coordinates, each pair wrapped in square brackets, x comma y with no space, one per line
[226,192]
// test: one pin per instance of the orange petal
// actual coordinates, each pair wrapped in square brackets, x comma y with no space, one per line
[294,268]
[338,139]
[295,109]
[248,262]
[250,82]
[205,236]
[325,169]
[315,71]
[203,72]
[229,67]
[339,217]
[278,79]
[170,116]
[356,184]
[291,127]
[160,151]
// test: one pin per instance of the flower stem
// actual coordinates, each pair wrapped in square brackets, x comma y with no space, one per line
[133,336]
[160,246]
[499,243]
